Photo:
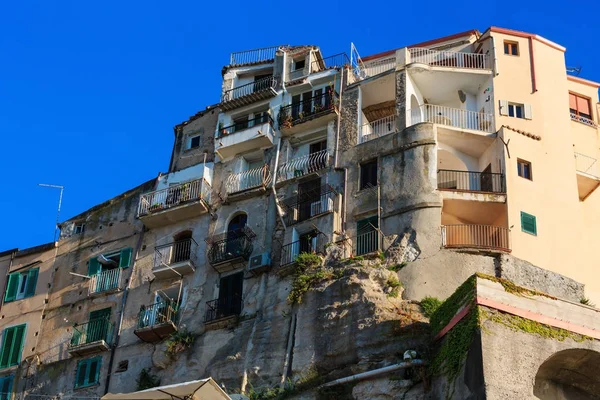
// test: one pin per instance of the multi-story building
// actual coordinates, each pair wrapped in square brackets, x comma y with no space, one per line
[426,153]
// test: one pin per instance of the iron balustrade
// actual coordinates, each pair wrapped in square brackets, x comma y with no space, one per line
[250,88]
[297,112]
[105,280]
[92,331]
[367,242]
[302,166]
[157,314]
[175,252]
[222,308]
[174,196]
[455,117]
[476,236]
[230,245]
[254,178]
[332,62]
[583,120]
[587,165]
[471,181]
[378,128]
[451,59]
[314,244]
[309,204]
[253,56]
[240,126]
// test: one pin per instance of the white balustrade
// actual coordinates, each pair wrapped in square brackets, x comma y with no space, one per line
[303,165]
[378,128]
[455,117]
[450,59]
[248,179]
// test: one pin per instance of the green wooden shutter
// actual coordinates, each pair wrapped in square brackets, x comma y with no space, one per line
[7,341]
[125,259]
[6,387]
[12,287]
[528,223]
[93,266]
[82,367]
[17,348]
[94,371]
[31,281]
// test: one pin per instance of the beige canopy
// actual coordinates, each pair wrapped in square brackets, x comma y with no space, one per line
[204,389]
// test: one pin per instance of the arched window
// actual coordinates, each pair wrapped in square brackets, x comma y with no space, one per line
[234,234]
[237,222]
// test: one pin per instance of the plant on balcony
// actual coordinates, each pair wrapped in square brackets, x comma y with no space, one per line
[156,207]
[147,380]
[286,122]
[179,341]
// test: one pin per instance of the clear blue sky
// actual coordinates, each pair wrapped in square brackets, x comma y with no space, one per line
[90,91]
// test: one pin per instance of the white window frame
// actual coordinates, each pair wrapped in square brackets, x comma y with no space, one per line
[189,142]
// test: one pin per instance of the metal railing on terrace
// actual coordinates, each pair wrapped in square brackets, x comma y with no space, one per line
[476,236]
[222,308]
[471,181]
[301,166]
[230,245]
[267,83]
[587,165]
[309,204]
[105,280]
[176,252]
[452,59]
[313,245]
[253,56]
[92,331]
[254,178]
[368,241]
[376,67]
[378,128]
[583,120]
[332,62]
[296,113]
[174,196]
[455,117]
[240,126]
[157,314]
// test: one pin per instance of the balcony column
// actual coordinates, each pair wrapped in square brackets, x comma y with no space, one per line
[400,101]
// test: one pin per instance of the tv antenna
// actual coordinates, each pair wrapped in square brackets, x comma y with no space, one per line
[62,188]
[574,70]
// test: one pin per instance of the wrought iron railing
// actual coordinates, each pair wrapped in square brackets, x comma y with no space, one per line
[376,67]
[230,245]
[378,128]
[157,314]
[295,113]
[587,165]
[304,165]
[332,62]
[309,204]
[240,126]
[174,196]
[452,59]
[314,244]
[222,308]
[253,56]
[368,241]
[458,118]
[583,120]
[105,280]
[92,331]
[471,181]
[176,252]
[476,236]
[252,87]
[258,177]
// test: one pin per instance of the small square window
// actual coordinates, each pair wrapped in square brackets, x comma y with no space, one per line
[368,174]
[516,110]
[528,223]
[299,65]
[524,169]
[194,142]
[511,48]
[79,229]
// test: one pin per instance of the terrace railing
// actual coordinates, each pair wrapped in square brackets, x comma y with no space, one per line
[471,181]
[301,166]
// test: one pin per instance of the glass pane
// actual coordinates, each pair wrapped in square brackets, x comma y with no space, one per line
[519,110]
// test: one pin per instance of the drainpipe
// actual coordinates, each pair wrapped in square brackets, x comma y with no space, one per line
[495,60]
[375,372]
[336,150]
[532,62]
[288,351]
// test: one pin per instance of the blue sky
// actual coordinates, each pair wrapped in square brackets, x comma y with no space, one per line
[90,91]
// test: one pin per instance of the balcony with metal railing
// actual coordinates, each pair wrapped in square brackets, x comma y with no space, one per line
[335,62]
[487,237]
[308,114]
[91,337]
[254,56]
[471,181]
[309,204]
[378,66]
[250,93]
[156,321]
[588,175]
[231,249]
[222,312]
[368,241]
[303,166]
[454,118]
[245,136]
[175,203]
[448,59]
[248,183]
[378,128]
[315,244]
[105,281]
[175,259]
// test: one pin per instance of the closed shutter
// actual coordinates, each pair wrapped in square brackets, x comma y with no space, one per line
[94,371]
[17,348]
[82,367]
[503,107]
[528,223]
[125,260]
[93,266]
[528,111]
[12,287]
[31,282]
[7,342]
[12,346]
[6,387]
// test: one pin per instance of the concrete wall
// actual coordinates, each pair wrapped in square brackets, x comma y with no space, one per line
[203,124]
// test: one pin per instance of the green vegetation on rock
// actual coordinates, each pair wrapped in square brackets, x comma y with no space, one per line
[394,283]
[179,341]
[309,272]
[430,305]
[147,380]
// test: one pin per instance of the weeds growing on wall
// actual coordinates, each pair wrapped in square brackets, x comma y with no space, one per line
[394,283]
[430,305]
[179,341]
[147,380]
[309,272]
[397,267]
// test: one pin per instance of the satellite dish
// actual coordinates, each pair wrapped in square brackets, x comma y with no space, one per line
[462,96]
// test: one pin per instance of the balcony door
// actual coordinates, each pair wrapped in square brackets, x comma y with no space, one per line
[367,237]
[486,179]
[308,242]
[233,245]
[97,328]
[309,199]
[182,248]
[230,295]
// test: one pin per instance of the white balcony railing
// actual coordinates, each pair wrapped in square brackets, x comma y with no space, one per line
[174,196]
[587,165]
[583,120]
[304,165]
[248,180]
[451,59]
[376,67]
[378,128]
[455,117]
[105,281]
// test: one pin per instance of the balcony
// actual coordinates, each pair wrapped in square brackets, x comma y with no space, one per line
[487,237]
[91,337]
[588,175]
[449,59]
[583,120]
[230,250]
[470,185]
[378,128]
[312,245]
[376,67]
[368,241]
[249,93]
[175,259]
[241,137]
[255,56]
[175,203]
[223,312]
[308,114]
[310,204]
[248,183]
[105,281]
[156,322]
[303,166]
[454,118]
[330,63]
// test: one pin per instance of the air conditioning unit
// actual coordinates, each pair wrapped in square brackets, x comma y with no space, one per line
[259,263]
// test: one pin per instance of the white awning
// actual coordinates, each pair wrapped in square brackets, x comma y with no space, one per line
[204,389]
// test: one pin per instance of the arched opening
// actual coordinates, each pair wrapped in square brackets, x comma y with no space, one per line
[237,222]
[415,110]
[569,374]
[234,234]
[182,248]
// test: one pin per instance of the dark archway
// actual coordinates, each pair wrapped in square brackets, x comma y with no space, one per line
[569,375]
[235,235]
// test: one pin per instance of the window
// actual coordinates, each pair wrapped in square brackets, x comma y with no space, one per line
[79,229]
[368,174]
[6,383]
[21,285]
[515,110]
[579,106]
[524,169]
[13,340]
[528,223]
[511,48]
[194,142]
[122,366]
[109,261]
[299,65]
[88,372]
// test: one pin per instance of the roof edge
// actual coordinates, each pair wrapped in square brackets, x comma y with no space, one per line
[539,38]
[583,81]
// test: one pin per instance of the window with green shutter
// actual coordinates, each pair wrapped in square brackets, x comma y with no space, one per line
[13,340]
[108,261]
[21,285]
[6,383]
[528,223]
[88,372]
